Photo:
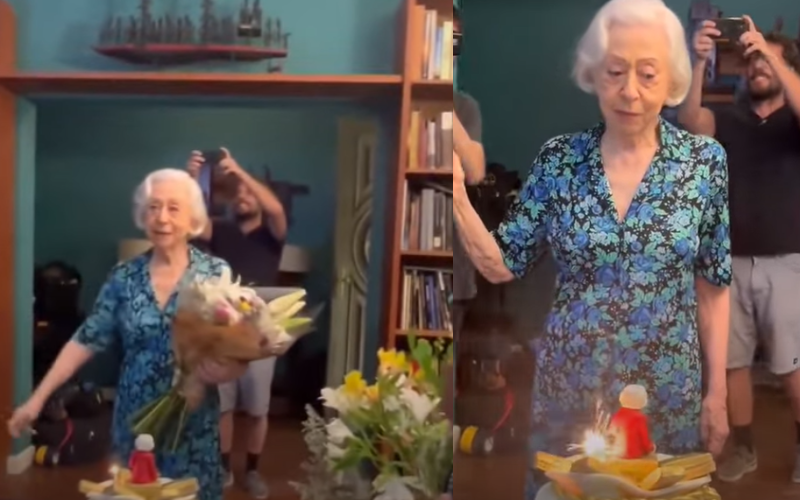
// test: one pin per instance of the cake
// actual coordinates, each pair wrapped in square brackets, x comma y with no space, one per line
[585,478]
[610,466]
[141,481]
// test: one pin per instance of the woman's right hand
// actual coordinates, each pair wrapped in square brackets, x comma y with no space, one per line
[703,43]
[24,417]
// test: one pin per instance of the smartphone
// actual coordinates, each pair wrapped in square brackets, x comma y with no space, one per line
[731,29]
[206,178]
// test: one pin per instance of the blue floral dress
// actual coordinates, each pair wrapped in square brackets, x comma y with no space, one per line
[625,310]
[126,312]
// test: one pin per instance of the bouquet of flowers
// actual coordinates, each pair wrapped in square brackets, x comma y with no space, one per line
[221,321]
[392,435]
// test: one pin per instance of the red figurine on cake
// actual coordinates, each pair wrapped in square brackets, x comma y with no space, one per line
[629,425]
[143,462]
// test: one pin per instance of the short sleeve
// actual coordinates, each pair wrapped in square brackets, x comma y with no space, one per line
[522,235]
[98,332]
[469,114]
[714,253]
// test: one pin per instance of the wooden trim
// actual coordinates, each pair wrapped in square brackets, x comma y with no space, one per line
[434,90]
[396,181]
[199,84]
[8,162]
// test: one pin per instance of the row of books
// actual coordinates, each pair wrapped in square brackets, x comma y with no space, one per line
[427,218]
[426,299]
[437,46]
[430,141]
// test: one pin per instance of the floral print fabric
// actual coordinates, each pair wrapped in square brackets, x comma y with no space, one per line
[126,312]
[625,310]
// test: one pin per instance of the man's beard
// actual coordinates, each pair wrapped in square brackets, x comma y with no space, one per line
[246,216]
[774,90]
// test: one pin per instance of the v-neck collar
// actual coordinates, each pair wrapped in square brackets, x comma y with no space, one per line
[188,275]
[664,158]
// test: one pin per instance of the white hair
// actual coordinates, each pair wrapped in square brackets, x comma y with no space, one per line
[197,204]
[594,43]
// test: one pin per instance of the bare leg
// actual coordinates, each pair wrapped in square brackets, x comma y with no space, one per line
[743,459]
[792,384]
[256,395]
[740,397]
[257,434]
[256,437]
[226,433]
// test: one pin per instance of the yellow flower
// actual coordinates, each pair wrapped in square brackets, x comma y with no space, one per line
[373,393]
[392,362]
[354,384]
[244,306]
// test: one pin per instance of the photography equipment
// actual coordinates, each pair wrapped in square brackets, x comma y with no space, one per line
[218,188]
[74,428]
[731,29]
[57,313]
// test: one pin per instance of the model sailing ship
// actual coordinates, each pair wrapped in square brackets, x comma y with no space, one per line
[177,39]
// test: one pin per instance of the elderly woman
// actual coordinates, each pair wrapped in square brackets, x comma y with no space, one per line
[635,213]
[134,309]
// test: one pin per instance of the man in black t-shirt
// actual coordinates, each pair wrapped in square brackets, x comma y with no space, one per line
[762,138]
[252,244]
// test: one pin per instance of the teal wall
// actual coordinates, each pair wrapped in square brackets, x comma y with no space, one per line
[80,159]
[335,37]
[517,64]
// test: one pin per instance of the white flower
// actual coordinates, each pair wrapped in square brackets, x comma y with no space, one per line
[338,432]
[335,452]
[395,489]
[337,400]
[421,405]
[391,404]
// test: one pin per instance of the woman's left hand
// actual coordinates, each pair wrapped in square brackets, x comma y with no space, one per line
[213,372]
[714,423]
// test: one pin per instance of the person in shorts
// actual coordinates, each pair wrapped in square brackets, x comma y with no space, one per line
[761,135]
[252,244]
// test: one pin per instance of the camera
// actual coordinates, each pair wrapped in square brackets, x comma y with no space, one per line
[731,29]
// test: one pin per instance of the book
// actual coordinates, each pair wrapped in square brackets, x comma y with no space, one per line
[436,33]
[430,141]
[427,218]
[425,299]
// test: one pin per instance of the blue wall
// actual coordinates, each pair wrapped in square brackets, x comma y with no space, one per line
[526,95]
[82,158]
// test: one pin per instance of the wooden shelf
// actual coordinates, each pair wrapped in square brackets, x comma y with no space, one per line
[426,334]
[201,84]
[432,90]
[427,258]
[429,173]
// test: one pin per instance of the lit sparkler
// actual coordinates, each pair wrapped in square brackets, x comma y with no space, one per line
[595,441]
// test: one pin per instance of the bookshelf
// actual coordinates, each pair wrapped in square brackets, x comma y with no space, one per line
[419,242]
